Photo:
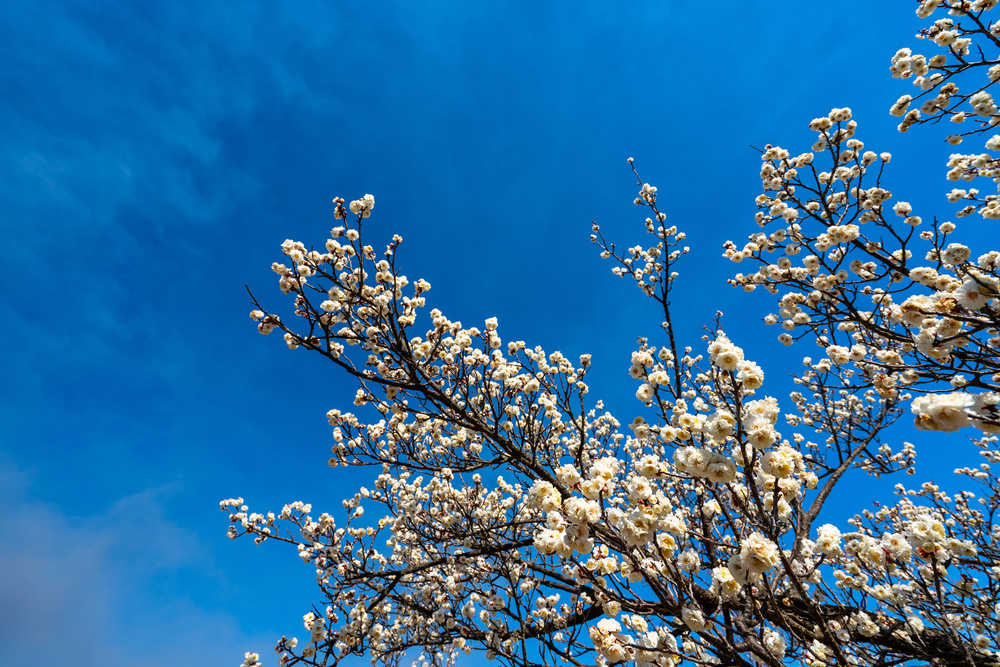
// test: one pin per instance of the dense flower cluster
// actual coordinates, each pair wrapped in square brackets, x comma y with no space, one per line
[519,519]
[886,320]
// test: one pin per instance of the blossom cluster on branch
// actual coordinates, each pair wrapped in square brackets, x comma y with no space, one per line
[518,518]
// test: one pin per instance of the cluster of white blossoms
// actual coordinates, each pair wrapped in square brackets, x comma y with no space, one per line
[646,265]
[898,341]
[362,207]
[757,555]
[940,95]
[513,515]
[729,358]
[564,532]
[704,463]
[610,642]
[251,659]
[828,540]
[943,412]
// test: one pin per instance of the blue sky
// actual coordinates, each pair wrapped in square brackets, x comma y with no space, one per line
[155,155]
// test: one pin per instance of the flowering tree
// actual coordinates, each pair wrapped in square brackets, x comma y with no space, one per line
[521,520]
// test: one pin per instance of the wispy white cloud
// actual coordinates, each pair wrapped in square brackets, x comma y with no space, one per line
[97,590]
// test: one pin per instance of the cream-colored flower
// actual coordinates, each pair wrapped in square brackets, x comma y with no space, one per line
[758,554]
[942,412]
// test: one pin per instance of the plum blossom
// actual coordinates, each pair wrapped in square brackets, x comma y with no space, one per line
[943,412]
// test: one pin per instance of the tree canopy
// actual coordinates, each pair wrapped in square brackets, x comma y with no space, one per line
[516,517]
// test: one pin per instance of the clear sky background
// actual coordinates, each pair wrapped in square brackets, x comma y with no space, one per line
[154,156]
